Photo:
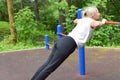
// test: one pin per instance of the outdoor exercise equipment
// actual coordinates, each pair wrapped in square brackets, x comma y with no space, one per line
[116,23]
[60,32]
[47,42]
[81,51]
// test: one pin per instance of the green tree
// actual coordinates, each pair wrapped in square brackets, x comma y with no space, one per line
[11,20]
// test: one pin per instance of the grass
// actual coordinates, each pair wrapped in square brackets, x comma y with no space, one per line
[18,46]
[4,24]
[4,29]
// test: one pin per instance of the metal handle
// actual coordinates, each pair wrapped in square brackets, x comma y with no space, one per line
[108,22]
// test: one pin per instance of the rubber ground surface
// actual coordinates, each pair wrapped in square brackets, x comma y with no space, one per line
[101,64]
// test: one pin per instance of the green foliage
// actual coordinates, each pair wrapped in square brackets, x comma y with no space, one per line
[51,34]
[63,5]
[4,24]
[4,29]
[108,34]
[48,15]
[68,12]
[25,25]
[100,36]
[39,42]
[114,36]
[32,33]
[70,15]
[3,11]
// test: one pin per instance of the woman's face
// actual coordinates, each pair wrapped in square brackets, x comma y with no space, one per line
[97,15]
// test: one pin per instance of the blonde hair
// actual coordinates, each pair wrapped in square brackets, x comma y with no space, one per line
[89,11]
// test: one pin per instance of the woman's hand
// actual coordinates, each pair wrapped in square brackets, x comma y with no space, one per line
[75,21]
[96,24]
[103,21]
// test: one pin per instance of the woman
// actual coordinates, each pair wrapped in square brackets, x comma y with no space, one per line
[66,45]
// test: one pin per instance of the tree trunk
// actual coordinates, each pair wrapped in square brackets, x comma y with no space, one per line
[11,21]
[61,16]
[22,6]
[69,3]
[37,11]
[78,3]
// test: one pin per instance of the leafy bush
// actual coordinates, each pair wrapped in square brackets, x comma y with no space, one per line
[100,37]
[106,36]
[70,16]
[26,25]
[28,30]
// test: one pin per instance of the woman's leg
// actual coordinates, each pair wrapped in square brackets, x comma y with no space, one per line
[45,64]
[64,47]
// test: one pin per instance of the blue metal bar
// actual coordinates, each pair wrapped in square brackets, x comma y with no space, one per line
[119,24]
[79,13]
[59,31]
[81,51]
[47,42]
[82,60]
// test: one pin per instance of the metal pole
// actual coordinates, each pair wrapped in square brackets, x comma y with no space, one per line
[119,24]
[81,51]
[116,23]
[59,31]
[47,42]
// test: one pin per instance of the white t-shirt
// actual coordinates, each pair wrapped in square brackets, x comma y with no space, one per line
[82,31]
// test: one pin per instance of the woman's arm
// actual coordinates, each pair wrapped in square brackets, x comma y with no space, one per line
[96,24]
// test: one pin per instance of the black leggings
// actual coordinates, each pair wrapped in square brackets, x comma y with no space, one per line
[61,50]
